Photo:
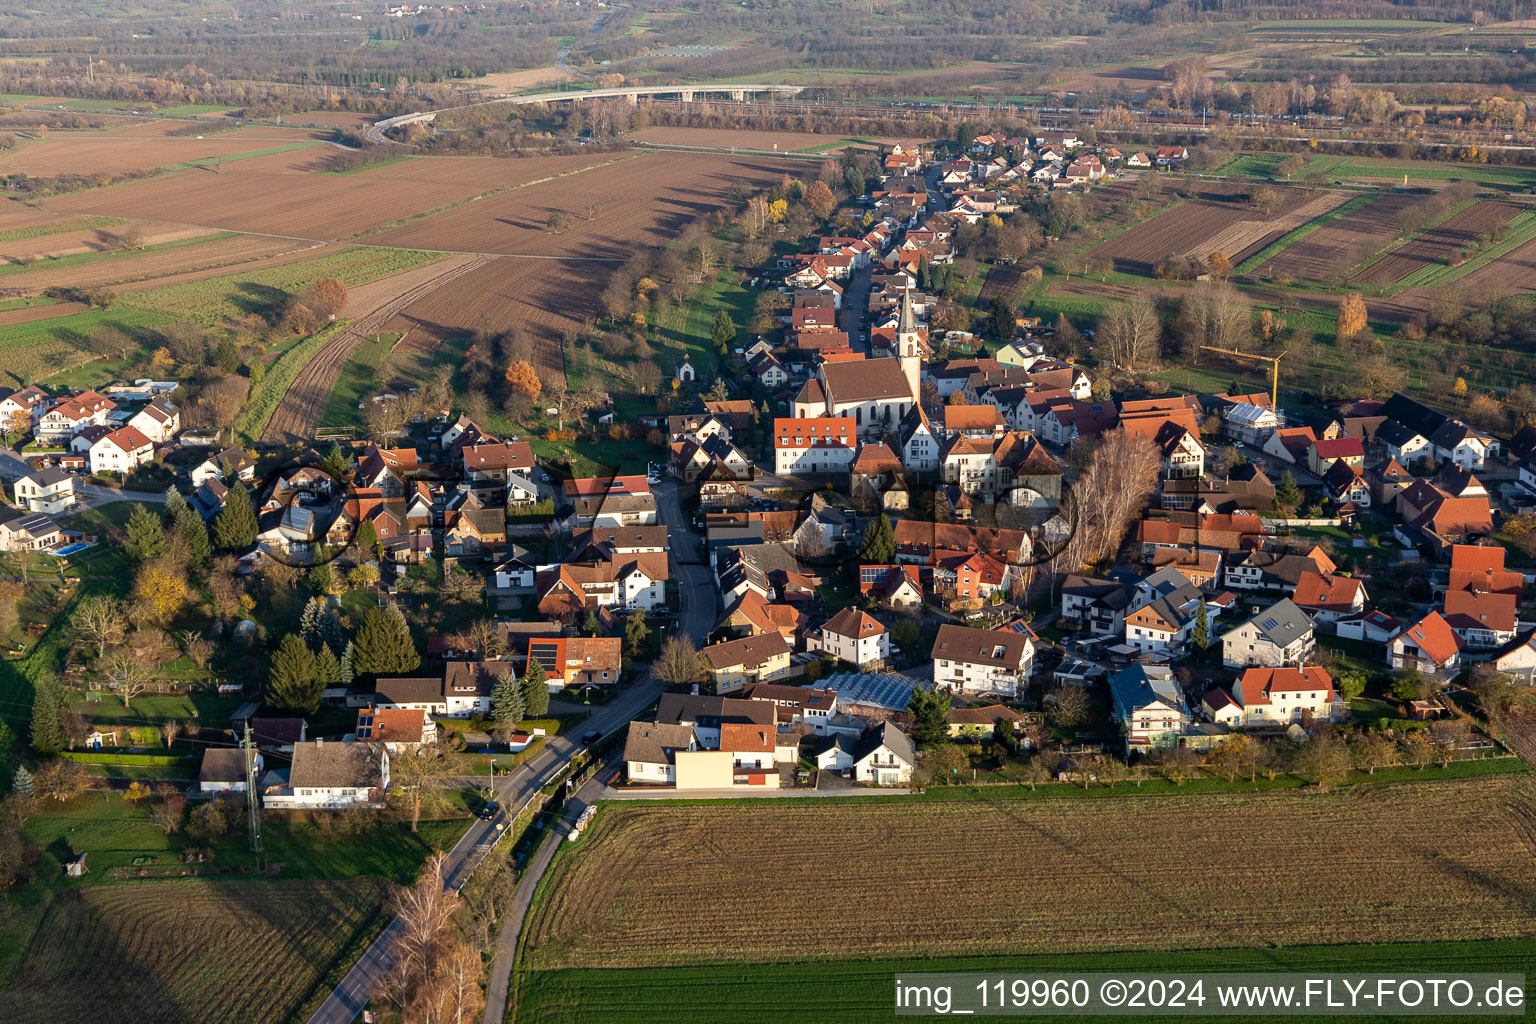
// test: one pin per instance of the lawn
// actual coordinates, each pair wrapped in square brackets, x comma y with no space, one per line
[597,458]
[845,990]
[1432,171]
[358,378]
[191,109]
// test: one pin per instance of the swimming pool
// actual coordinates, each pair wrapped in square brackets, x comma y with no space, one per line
[69,550]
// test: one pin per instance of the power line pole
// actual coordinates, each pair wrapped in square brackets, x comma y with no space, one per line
[252,801]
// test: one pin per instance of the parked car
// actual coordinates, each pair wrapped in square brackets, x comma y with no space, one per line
[592,737]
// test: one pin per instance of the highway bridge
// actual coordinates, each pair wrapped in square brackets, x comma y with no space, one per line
[686,93]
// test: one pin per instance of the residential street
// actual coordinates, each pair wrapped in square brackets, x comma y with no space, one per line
[696,618]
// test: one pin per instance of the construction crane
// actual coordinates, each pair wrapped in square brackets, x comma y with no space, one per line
[1274,368]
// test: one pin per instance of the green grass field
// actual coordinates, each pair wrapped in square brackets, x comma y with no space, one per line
[1521,228]
[189,109]
[44,350]
[1430,172]
[268,151]
[358,377]
[861,990]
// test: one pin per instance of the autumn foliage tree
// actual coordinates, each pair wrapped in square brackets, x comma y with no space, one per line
[820,199]
[1352,316]
[523,380]
[326,297]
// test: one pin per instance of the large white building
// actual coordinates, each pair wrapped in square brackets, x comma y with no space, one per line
[813,445]
[970,660]
[876,393]
[121,451]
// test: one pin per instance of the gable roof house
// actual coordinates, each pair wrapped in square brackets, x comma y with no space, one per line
[884,756]
[495,460]
[968,660]
[333,775]
[1327,598]
[813,445]
[1276,696]
[1096,605]
[46,490]
[1481,618]
[159,420]
[74,413]
[35,532]
[577,661]
[650,752]
[1280,635]
[753,659]
[1163,614]
[121,451]
[1429,646]
[855,637]
[221,465]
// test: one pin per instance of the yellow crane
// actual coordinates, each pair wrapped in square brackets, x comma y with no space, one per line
[1274,368]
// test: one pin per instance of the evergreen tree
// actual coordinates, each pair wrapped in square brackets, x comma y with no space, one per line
[320,627]
[636,632]
[384,645]
[879,545]
[930,717]
[145,536]
[294,681]
[591,626]
[1287,494]
[1201,637]
[175,505]
[368,539]
[347,674]
[924,277]
[535,691]
[234,528]
[47,711]
[21,782]
[506,700]
[723,333]
[336,462]
[327,667]
[192,534]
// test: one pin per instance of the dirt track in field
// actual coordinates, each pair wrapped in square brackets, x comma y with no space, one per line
[374,305]
[29,314]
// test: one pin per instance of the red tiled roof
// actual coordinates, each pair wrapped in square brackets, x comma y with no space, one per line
[1466,610]
[1256,684]
[1316,592]
[1432,635]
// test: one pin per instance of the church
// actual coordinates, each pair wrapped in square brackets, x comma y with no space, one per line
[875,393]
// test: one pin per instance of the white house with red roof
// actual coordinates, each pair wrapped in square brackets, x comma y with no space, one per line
[74,413]
[813,444]
[855,637]
[121,451]
[1428,646]
[1328,597]
[1279,696]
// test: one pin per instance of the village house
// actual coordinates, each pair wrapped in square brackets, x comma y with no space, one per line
[650,750]
[1327,598]
[1149,704]
[1163,614]
[968,660]
[463,690]
[399,729]
[35,532]
[331,776]
[1096,605]
[978,725]
[47,490]
[19,410]
[855,637]
[752,659]
[1429,646]
[224,770]
[1278,696]
[121,451]
[1280,635]
[231,462]
[884,756]
[159,421]
[73,414]
[577,661]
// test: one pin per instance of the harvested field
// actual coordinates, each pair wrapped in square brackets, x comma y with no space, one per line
[316,207]
[1196,227]
[638,201]
[334,118]
[27,314]
[188,951]
[294,161]
[543,297]
[1249,236]
[112,153]
[1439,242]
[631,895]
[373,306]
[487,172]
[725,138]
[141,270]
[16,214]
[71,243]
[1346,242]
[1515,271]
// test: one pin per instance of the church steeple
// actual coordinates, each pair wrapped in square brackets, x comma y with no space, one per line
[909,348]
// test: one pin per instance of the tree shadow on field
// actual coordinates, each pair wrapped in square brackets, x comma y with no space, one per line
[258,298]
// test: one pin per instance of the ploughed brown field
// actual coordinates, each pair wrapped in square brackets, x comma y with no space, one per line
[1439,242]
[133,271]
[120,149]
[1209,222]
[1346,242]
[724,138]
[662,884]
[285,202]
[28,314]
[636,201]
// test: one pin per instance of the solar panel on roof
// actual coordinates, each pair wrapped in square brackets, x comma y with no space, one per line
[1269,623]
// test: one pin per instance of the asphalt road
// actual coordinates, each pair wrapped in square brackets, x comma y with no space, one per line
[498,985]
[696,618]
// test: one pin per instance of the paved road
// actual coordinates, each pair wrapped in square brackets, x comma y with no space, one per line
[498,985]
[696,619]
[349,998]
